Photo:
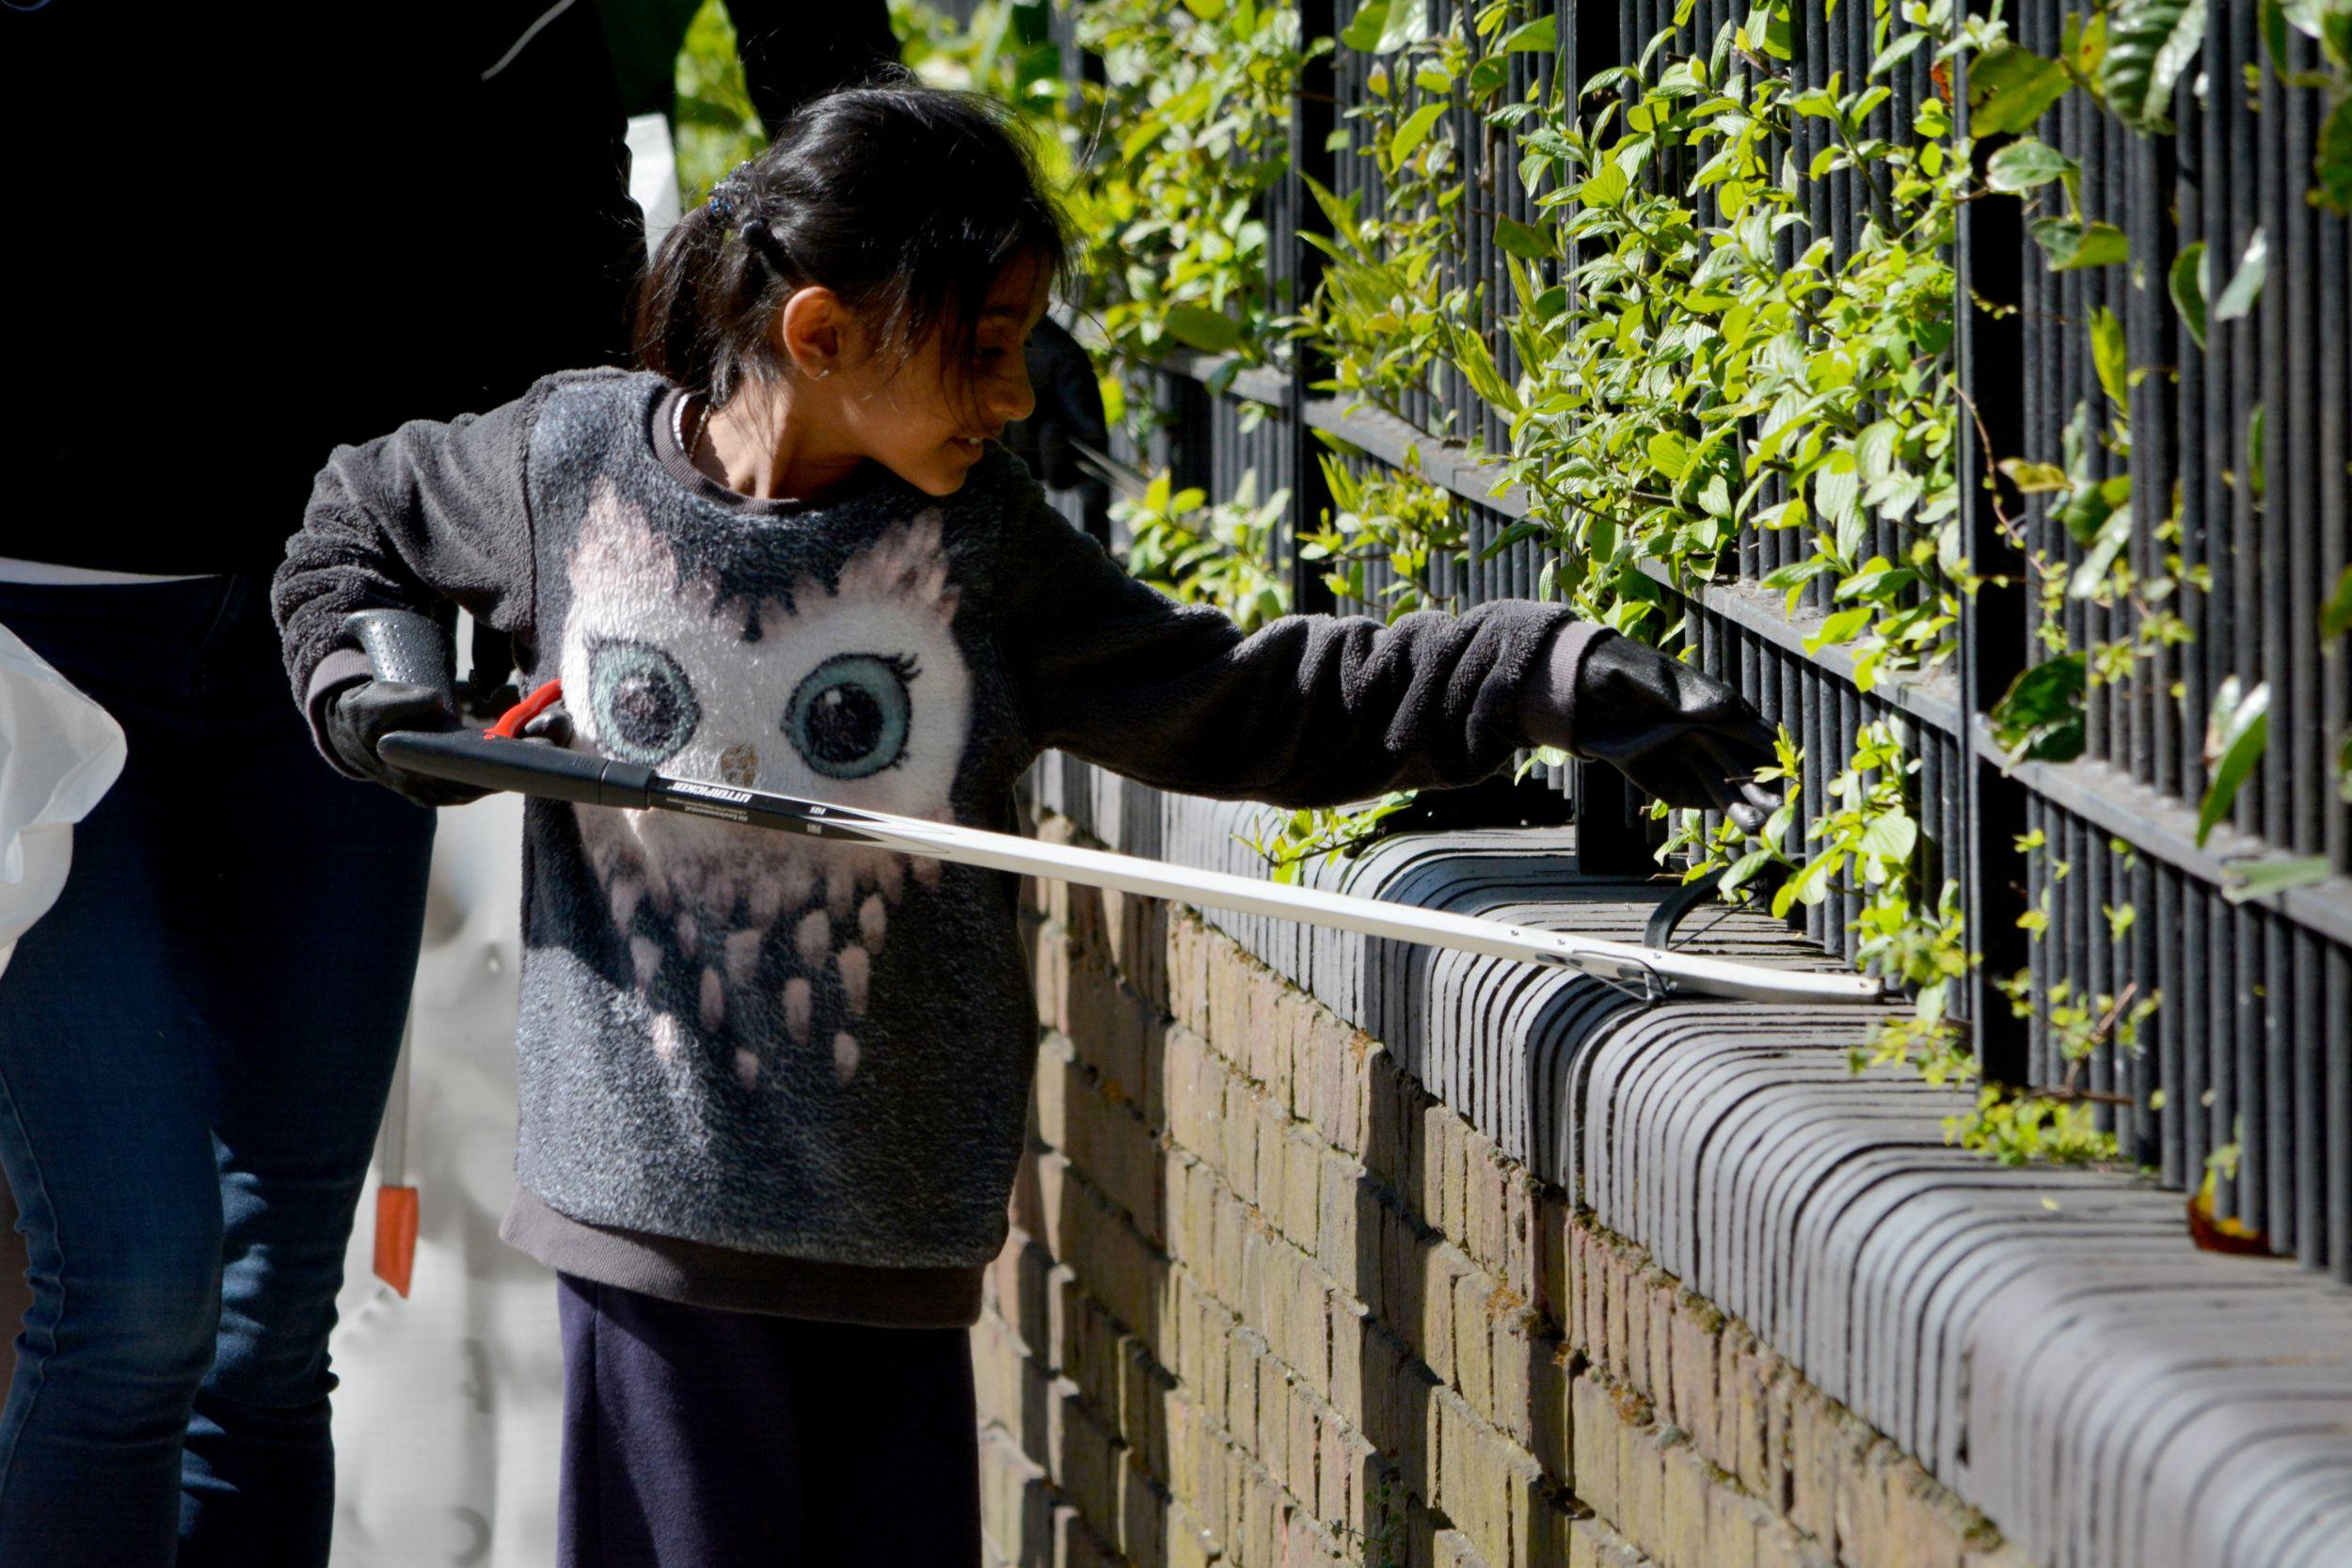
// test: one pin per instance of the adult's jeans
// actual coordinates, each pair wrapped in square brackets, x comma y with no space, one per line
[195,1046]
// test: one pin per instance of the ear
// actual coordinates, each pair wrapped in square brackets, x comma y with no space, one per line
[815,331]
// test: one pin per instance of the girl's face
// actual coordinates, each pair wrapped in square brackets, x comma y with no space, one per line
[929,420]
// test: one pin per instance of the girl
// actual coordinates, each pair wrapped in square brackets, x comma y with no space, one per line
[773,1091]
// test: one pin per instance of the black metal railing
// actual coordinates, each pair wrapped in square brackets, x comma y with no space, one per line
[2251,1043]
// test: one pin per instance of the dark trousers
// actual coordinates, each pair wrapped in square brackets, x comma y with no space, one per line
[195,1045]
[700,1438]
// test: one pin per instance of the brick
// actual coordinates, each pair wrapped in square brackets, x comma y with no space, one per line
[1641,1481]
[1474,1352]
[1385,1363]
[1814,1470]
[1682,1539]
[1416,1440]
[1302,1196]
[1347,1212]
[1659,1342]
[1555,1443]
[1596,1425]
[1388,1135]
[1632,1363]
[1432,1331]
[1269,1439]
[1732,1521]
[1865,1467]
[1587,1292]
[1518,1234]
[1696,1362]
[1926,1526]
[1401,1291]
[1487,1209]
[1515,1350]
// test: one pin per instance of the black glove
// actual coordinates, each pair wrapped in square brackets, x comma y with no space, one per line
[412,690]
[1680,734]
[1069,411]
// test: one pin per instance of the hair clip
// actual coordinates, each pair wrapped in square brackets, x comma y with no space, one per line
[725,196]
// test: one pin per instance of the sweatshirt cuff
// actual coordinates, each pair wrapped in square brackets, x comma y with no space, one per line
[1548,701]
[336,673]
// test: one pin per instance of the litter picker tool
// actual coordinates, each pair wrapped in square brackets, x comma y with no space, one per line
[493,761]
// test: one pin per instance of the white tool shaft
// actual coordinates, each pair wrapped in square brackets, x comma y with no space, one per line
[1682,973]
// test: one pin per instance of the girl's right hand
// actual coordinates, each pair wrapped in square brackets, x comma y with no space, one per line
[366,711]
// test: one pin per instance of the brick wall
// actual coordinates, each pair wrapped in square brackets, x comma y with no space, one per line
[1266,1303]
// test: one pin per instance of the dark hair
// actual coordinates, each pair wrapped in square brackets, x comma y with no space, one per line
[907,201]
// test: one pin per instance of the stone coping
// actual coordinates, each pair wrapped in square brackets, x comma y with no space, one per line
[2045,1341]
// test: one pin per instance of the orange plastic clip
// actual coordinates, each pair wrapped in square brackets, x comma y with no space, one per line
[511,723]
[396,1236]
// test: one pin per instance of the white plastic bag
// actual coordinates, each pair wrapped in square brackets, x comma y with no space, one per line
[60,753]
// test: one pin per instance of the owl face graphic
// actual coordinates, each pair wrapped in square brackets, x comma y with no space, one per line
[757,945]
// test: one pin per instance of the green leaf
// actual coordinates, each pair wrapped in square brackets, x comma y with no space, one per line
[2253,268]
[1606,188]
[2273,874]
[2236,734]
[1837,490]
[1414,131]
[1539,35]
[1363,29]
[2086,512]
[1891,837]
[2113,535]
[2107,355]
[2028,164]
[1670,455]
[1524,241]
[1468,352]
[1841,627]
[2188,286]
[2009,88]
[1197,326]
[2072,245]
[2333,165]
[2256,449]
[1407,23]
[2337,618]
[2034,478]
[1767,32]
[2040,719]
[2149,42]
[2273,22]
[1737,875]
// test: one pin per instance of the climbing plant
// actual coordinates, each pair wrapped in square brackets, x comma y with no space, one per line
[1176,149]
[1691,366]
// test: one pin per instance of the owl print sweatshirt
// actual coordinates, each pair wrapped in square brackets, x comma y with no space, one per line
[769,1073]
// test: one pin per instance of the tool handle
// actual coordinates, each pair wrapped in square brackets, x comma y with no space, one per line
[525,767]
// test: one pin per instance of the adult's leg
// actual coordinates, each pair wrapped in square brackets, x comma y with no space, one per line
[103,1123]
[693,1437]
[298,942]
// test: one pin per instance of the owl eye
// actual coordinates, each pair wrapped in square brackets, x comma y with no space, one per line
[643,703]
[848,717]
